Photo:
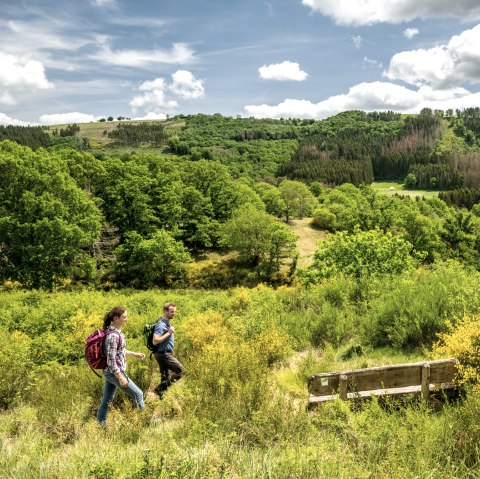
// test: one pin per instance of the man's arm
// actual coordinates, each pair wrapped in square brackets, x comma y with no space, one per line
[157,339]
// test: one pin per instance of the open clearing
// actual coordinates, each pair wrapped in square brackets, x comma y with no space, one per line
[391,188]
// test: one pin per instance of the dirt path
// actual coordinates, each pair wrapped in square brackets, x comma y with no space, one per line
[307,239]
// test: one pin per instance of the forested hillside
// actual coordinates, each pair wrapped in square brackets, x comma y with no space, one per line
[223,185]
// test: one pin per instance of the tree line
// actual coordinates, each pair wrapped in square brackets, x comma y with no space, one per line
[131,221]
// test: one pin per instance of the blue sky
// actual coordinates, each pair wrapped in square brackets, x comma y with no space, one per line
[78,61]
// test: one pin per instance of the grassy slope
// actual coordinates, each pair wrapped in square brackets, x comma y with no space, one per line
[94,131]
[308,238]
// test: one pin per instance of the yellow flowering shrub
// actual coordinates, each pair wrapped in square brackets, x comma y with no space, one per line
[462,341]
[203,329]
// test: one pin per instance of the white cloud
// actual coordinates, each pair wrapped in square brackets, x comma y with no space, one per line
[376,96]
[372,63]
[284,71]
[39,38]
[7,99]
[185,85]
[19,74]
[410,32]
[152,116]
[429,94]
[155,100]
[157,84]
[73,117]
[368,12]
[442,66]
[180,53]
[364,96]
[357,41]
[103,3]
[22,73]
[6,120]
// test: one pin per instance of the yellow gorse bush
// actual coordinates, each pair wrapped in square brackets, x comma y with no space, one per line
[462,341]
[202,329]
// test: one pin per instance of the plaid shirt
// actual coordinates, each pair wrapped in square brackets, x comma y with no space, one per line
[115,350]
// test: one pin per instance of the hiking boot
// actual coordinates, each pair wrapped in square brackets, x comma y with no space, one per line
[159,391]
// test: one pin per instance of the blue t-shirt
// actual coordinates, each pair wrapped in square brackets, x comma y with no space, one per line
[161,328]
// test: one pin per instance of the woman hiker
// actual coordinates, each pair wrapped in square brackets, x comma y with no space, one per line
[114,373]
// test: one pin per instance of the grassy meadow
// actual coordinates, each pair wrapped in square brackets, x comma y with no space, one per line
[97,133]
[240,411]
[390,188]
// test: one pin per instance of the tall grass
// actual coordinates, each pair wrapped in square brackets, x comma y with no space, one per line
[240,411]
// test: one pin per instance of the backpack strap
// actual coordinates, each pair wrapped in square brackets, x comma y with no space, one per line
[95,372]
[159,320]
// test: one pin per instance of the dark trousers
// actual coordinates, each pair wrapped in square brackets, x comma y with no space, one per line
[171,369]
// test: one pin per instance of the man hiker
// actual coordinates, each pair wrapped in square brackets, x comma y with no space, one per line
[171,369]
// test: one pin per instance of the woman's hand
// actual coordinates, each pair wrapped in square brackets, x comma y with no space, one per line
[140,355]
[123,381]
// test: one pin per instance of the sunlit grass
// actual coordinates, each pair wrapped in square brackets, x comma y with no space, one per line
[391,188]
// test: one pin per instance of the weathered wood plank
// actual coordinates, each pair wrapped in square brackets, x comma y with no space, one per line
[416,390]
[419,377]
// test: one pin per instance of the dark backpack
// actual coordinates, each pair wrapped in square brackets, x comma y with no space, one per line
[148,331]
[95,353]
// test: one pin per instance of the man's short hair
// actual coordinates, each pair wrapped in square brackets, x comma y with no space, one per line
[167,306]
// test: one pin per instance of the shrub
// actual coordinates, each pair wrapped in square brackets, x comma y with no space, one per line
[462,341]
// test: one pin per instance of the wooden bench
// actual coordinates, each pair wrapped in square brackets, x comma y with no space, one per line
[398,379]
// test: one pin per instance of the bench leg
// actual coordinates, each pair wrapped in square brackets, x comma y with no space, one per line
[342,387]
[425,382]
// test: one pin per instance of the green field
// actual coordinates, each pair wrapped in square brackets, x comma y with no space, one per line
[97,132]
[392,187]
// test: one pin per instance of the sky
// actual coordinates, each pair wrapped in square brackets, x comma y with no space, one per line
[82,60]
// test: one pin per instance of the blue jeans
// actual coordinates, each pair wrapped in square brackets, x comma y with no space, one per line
[109,390]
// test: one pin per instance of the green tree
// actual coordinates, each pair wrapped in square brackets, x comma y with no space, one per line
[410,181]
[422,232]
[261,240]
[198,226]
[271,197]
[47,222]
[158,260]
[125,190]
[298,199]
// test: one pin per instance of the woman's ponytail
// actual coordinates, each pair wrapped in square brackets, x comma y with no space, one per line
[111,315]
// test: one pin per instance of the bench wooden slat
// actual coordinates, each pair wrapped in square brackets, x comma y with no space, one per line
[381,392]
[395,377]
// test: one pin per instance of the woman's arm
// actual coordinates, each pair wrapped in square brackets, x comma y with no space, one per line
[134,354]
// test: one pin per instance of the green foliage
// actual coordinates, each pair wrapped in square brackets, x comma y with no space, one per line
[353,147]
[410,181]
[362,253]
[158,260]
[45,218]
[138,133]
[411,310]
[249,147]
[31,136]
[260,239]
[232,415]
[297,198]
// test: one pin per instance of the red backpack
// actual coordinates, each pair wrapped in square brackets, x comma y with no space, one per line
[95,354]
